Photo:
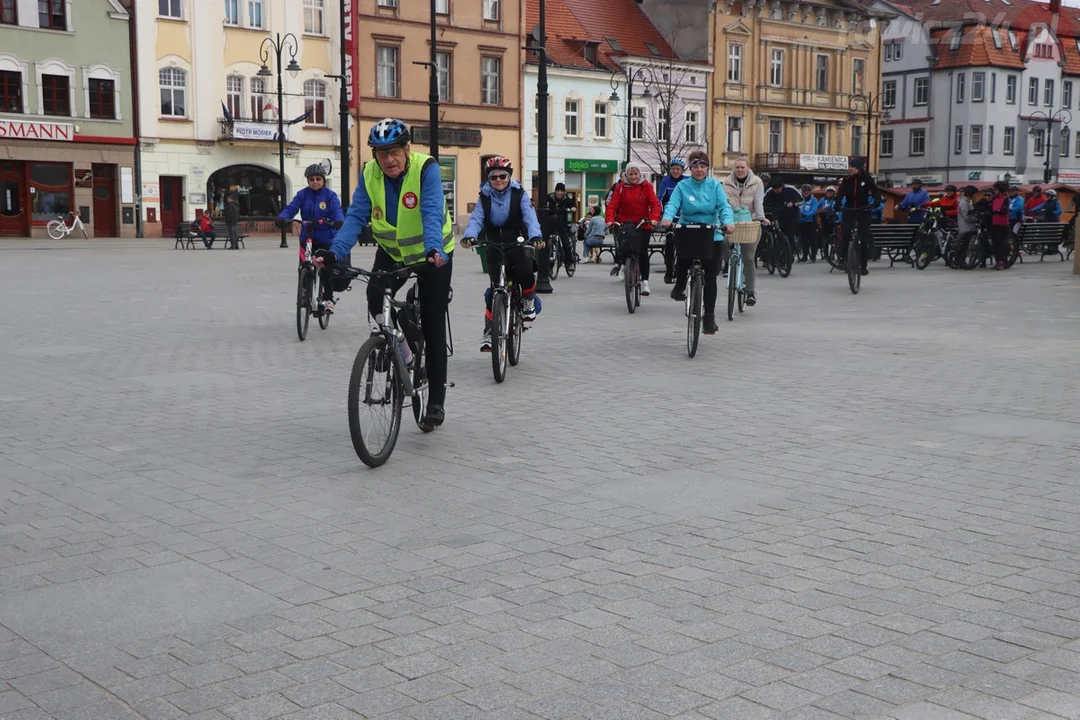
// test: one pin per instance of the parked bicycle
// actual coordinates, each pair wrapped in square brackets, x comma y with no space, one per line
[507,313]
[562,255]
[59,229]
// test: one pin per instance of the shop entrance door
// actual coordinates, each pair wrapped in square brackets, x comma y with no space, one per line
[105,210]
[14,209]
[172,204]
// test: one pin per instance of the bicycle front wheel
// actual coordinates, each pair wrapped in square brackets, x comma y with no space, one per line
[500,325]
[924,250]
[1012,251]
[56,229]
[420,389]
[630,274]
[316,295]
[303,303]
[513,338]
[853,276]
[693,318]
[554,258]
[732,290]
[784,257]
[376,396]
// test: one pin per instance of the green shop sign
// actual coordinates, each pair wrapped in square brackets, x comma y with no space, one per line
[578,166]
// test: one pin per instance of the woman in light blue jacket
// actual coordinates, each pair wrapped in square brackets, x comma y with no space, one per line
[700,200]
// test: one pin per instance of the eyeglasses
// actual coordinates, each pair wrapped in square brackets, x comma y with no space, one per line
[699,163]
[498,176]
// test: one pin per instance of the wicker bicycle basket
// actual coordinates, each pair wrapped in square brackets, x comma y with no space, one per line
[745,232]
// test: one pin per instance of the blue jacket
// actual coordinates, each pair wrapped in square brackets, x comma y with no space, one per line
[667,187]
[315,205]
[914,201]
[500,212]
[1016,209]
[702,202]
[808,209]
[432,210]
[1051,210]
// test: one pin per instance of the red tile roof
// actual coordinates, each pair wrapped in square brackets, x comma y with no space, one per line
[570,23]
[1011,14]
[976,49]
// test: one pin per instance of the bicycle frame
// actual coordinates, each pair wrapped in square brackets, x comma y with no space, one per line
[736,273]
[394,335]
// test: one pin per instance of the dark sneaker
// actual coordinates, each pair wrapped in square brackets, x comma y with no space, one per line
[751,298]
[864,272]
[669,278]
[710,324]
[678,293]
[433,418]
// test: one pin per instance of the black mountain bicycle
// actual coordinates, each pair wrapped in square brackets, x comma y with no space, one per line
[507,313]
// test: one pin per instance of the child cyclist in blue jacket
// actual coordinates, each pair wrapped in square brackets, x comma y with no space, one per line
[319,204]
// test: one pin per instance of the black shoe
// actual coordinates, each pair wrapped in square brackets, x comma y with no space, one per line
[669,278]
[864,272]
[678,293]
[751,299]
[710,324]
[433,418]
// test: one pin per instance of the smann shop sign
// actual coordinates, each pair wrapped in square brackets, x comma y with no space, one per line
[16,130]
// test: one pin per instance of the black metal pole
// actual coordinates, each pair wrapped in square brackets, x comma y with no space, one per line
[343,112]
[136,121]
[543,279]
[433,89]
[869,131]
[629,107]
[281,136]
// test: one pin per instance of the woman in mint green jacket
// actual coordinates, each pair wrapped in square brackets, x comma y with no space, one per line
[700,199]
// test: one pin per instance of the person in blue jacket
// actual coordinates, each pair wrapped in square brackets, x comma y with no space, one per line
[1050,208]
[320,205]
[504,213]
[1016,208]
[914,202]
[808,212]
[676,174]
[701,199]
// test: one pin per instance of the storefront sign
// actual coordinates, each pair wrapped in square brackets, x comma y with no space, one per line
[579,165]
[150,191]
[1069,177]
[84,178]
[823,162]
[925,179]
[256,131]
[11,129]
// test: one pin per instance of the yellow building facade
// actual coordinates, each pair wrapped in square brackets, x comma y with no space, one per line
[796,86]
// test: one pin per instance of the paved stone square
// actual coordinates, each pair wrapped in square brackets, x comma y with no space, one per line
[843,507]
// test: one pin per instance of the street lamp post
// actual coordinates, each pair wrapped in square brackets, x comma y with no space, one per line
[343,118]
[277,45]
[1038,118]
[642,74]
[871,101]
[539,46]
[432,64]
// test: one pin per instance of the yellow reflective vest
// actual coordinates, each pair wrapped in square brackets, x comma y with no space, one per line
[404,243]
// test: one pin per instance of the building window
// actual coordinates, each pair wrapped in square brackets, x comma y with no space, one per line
[315,101]
[387,3]
[1065,142]
[232,12]
[776,70]
[734,134]
[898,49]
[56,95]
[10,92]
[1077,151]
[734,63]
[1008,140]
[993,87]
[917,141]
[663,125]
[997,38]
[1042,50]
[637,123]
[491,80]
[1066,93]
[957,36]
[961,81]
[170,9]
[102,104]
[491,9]
[776,136]
[857,140]
[173,84]
[821,138]
[1013,42]
[442,7]
[958,139]
[255,13]
[978,86]
[822,73]
[990,140]
[313,17]
[50,190]
[600,120]
[922,90]
[570,118]
[1033,91]
[52,14]
[234,92]
[976,141]
[1038,141]
[888,52]
[258,98]
[886,149]
[888,89]
[9,12]
[1010,89]
[1048,93]
[444,68]
[690,127]
[858,74]
[386,65]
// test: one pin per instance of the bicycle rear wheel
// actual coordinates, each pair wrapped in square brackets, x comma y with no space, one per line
[316,294]
[732,291]
[853,276]
[1012,251]
[499,331]
[554,257]
[924,250]
[784,257]
[56,229]
[376,396]
[630,278]
[303,303]
[513,338]
[693,318]
[420,389]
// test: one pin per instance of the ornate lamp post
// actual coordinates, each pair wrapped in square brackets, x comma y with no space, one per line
[640,74]
[275,46]
[1038,119]
[873,121]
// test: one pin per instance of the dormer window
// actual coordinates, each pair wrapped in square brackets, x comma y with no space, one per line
[591,54]
[957,35]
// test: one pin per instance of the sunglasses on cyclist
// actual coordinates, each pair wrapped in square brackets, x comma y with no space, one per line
[498,176]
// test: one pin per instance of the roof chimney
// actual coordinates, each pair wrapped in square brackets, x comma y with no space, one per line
[1055,6]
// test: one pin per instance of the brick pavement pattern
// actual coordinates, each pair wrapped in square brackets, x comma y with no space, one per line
[844,507]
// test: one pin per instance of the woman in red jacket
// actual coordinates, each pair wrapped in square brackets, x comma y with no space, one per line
[633,201]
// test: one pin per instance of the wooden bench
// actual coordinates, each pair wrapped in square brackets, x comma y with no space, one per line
[1042,239]
[188,232]
[895,240]
[656,245]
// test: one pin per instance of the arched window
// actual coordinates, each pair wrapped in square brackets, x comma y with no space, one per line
[173,84]
[315,101]
[258,98]
[234,95]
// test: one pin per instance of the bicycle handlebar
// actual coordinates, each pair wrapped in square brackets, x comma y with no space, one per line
[697,226]
[354,272]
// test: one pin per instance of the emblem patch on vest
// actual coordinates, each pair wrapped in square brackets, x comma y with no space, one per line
[410,200]
[322,205]
[376,212]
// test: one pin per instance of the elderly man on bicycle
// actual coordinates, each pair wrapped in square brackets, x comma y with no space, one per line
[401,194]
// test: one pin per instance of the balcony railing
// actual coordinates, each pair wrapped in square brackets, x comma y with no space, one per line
[796,162]
[250,129]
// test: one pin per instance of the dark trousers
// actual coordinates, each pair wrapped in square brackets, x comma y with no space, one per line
[860,220]
[712,269]
[669,254]
[231,242]
[999,238]
[519,269]
[208,238]
[434,296]
[642,242]
[809,239]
